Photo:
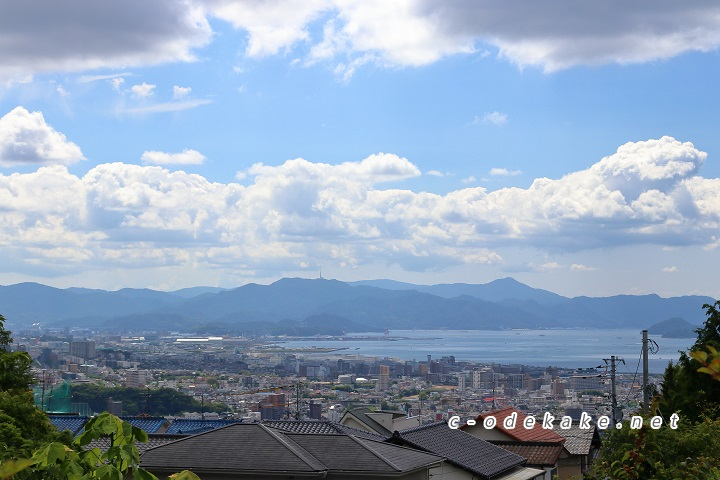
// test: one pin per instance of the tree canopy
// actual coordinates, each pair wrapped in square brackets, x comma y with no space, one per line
[162,401]
[15,371]
[690,388]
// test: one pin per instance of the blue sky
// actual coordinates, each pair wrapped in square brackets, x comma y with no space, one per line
[170,144]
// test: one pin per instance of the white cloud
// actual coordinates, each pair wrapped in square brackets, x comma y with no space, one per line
[135,216]
[435,173]
[117,83]
[143,90]
[95,78]
[186,157]
[469,180]
[495,118]
[553,35]
[167,107]
[348,34]
[672,269]
[104,35]
[504,172]
[25,138]
[180,92]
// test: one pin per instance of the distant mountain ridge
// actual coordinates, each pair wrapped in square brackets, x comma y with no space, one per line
[303,305]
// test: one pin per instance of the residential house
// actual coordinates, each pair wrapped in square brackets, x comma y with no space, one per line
[256,451]
[543,448]
[582,444]
[384,422]
[467,457]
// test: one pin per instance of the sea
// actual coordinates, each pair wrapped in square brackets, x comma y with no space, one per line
[567,348]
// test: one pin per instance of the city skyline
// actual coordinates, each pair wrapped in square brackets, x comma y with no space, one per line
[222,142]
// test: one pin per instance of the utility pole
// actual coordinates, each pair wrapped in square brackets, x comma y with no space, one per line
[613,398]
[616,416]
[646,386]
[42,401]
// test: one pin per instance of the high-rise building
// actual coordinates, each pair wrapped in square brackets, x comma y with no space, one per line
[383,379]
[137,378]
[273,407]
[315,410]
[84,349]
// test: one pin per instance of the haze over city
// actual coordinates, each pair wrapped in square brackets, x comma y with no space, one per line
[173,144]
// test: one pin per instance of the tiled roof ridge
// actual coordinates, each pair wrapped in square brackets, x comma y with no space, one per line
[183,436]
[526,443]
[362,441]
[421,427]
[364,418]
[302,454]
[376,454]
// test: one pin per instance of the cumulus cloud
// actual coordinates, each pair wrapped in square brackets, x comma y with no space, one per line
[304,213]
[181,92]
[504,172]
[495,118]
[104,35]
[186,157]
[25,138]
[143,90]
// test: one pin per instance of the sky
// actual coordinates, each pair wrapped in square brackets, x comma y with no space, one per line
[573,146]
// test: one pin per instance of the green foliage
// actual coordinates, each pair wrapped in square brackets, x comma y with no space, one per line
[23,428]
[691,389]
[163,401]
[79,462]
[710,361]
[687,387]
[689,452]
[14,366]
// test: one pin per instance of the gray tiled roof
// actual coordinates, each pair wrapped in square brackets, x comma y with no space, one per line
[460,448]
[255,448]
[236,447]
[347,453]
[579,441]
[361,414]
[314,426]
[189,427]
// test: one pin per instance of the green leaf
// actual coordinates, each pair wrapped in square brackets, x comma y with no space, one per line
[184,475]
[9,468]
[142,474]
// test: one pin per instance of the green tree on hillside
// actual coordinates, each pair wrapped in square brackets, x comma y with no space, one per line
[687,389]
[15,371]
[56,461]
[691,389]
[23,427]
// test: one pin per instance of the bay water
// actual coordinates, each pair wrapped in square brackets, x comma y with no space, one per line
[568,348]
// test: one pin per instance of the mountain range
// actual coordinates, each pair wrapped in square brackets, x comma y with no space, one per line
[320,306]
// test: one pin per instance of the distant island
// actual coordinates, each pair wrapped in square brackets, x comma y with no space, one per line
[674,328]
